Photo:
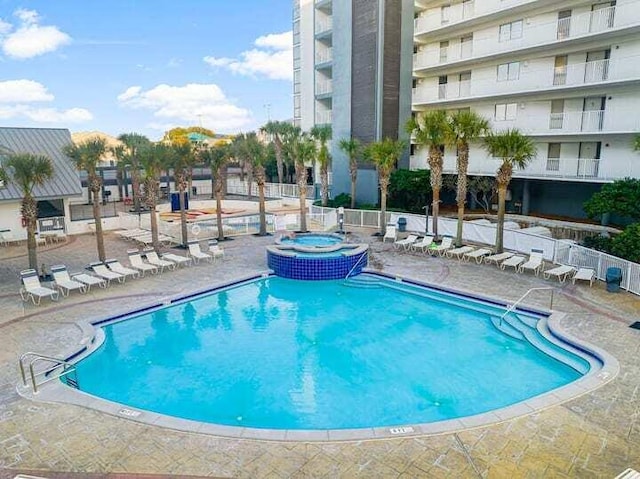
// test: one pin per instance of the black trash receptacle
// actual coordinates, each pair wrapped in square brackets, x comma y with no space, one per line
[613,278]
[402,224]
[175,201]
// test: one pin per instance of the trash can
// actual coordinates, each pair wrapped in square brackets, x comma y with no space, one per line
[402,224]
[613,278]
[175,201]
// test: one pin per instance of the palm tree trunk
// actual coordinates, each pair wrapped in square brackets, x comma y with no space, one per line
[120,182]
[152,186]
[263,211]
[182,184]
[279,163]
[461,195]
[324,180]
[224,174]
[213,185]
[154,227]
[435,212]
[135,184]
[383,210]
[97,217]
[353,194]
[30,214]
[502,198]
[303,207]
[249,182]
[219,215]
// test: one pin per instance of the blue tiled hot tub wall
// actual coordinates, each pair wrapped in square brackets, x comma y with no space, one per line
[315,268]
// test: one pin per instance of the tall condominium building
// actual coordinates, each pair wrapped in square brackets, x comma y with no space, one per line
[352,70]
[566,73]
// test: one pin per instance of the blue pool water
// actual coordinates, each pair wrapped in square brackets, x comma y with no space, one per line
[285,354]
[311,240]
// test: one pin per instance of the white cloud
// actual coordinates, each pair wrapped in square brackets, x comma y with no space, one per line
[23,91]
[30,39]
[273,59]
[189,104]
[17,97]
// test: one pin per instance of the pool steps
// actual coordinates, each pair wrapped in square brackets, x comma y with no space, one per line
[520,326]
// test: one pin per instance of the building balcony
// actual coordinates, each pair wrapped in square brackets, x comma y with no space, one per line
[324,55]
[324,87]
[325,5]
[570,169]
[440,17]
[323,117]
[324,26]
[536,36]
[531,81]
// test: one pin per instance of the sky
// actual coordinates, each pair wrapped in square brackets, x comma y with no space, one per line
[145,65]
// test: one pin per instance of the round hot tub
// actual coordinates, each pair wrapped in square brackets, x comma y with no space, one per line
[311,240]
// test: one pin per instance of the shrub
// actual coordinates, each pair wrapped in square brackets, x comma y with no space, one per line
[627,244]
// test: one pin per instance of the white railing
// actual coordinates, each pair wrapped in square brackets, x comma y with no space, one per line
[576,121]
[532,79]
[324,55]
[575,255]
[53,223]
[323,117]
[271,190]
[439,17]
[535,34]
[324,25]
[324,87]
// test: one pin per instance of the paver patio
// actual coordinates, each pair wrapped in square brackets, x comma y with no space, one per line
[595,435]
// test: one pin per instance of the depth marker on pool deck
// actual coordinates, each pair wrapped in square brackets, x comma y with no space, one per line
[129,412]
[401,430]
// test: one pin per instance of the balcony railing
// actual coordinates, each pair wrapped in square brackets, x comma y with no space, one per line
[533,79]
[323,117]
[577,121]
[539,34]
[438,17]
[323,26]
[544,167]
[324,87]
[324,55]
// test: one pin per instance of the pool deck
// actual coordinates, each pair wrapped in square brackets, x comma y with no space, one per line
[595,435]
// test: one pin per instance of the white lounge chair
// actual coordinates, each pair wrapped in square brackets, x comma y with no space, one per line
[136,262]
[441,249]
[115,266]
[216,251]
[561,272]
[459,252]
[391,234]
[478,255]
[405,243]
[513,261]
[196,253]
[32,289]
[64,283]
[423,244]
[130,234]
[535,262]
[89,280]
[177,259]
[101,270]
[585,274]
[152,258]
[497,258]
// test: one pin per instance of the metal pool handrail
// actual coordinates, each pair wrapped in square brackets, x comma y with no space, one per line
[514,305]
[363,255]
[67,368]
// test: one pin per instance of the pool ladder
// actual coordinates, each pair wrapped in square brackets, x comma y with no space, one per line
[363,255]
[521,298]
[29,360]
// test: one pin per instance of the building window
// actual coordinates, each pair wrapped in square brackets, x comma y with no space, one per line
[445,14]
[506,111]
[509,71]
[553,157]
[511,31]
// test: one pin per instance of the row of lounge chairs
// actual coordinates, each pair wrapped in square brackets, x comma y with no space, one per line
[111,270]
[520,264]
[143,236]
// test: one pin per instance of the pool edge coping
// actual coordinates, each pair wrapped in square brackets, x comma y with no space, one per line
[56,392]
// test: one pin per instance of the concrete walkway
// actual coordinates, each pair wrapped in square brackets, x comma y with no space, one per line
[595,435]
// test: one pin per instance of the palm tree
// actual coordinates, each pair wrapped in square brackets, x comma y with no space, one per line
[86,156]
[278,130]
[241,152]
[26,171]
[258,155]
[153,158]
[351,146]
[301,149]
[384,155]
[429,130]
[133,143]
[516,151]
[180,157]
[463,128]
[322,133]
[216,159]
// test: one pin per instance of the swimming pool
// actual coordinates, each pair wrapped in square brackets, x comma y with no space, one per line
[281,354]
[311,240]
